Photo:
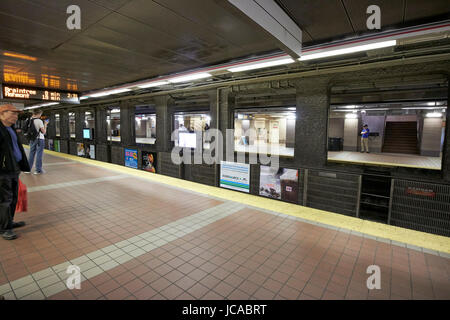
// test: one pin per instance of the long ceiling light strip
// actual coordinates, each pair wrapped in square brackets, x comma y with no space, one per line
[260,65]
[108,92]
[152,84]
[189,77]
[349,50]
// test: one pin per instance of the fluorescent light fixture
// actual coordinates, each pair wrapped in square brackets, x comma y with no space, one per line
[240,116]
[292,108]
[115,111]
[190,77]
[364,47]
[152,84]
[434,115]
[260,65]
[84,97]
[431,103]
[41,105]
[351,116]
[350,107]
[419,108]
[109,92]
[378,109]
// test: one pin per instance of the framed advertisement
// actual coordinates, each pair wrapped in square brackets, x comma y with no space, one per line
[56,145]
[131,158]
[80,149]
[235,176]
[89,151]
[279,183]
[149,161]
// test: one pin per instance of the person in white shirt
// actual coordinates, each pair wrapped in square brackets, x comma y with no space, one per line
[37,145]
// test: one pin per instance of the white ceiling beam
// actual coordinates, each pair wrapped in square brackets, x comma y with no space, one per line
[269,15]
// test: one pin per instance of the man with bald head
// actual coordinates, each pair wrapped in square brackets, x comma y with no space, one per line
[12,161]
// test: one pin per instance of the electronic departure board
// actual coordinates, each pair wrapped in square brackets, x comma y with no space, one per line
[18,92]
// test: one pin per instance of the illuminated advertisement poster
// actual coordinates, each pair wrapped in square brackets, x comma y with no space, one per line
[279,183]
[149,161]
[80,149]
[235,176]
[131,158]
[56,145]
[89,151]
[51,145]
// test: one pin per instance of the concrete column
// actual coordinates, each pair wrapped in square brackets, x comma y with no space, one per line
[100,125]
[79,125]
[64,124]
[310,131]
[446,148]
[163,124]
[127,124]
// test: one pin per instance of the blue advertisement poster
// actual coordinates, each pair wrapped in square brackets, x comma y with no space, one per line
[131,158]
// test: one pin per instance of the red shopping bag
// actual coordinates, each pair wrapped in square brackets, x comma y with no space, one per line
[22,203]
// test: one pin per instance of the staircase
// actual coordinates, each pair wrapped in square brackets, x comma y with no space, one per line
[401,137]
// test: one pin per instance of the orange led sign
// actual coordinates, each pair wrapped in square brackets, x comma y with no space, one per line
[17,92]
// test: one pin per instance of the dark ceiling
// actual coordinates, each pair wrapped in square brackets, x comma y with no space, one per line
[126,40]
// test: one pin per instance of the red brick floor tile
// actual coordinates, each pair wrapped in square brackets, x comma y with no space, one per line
[118,294]
[289,293]
[313,291]
[145,293]
[172,291]
[197,274]
[124,278]
[223,289]
[92,294]
[185,296]
[108,286]
[263,294]
[64,295]
[198,290]
[134,285]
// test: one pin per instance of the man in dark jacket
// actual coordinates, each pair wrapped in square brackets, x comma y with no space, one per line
[12,161]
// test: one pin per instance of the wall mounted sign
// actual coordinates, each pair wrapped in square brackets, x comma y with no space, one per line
[235,176]
[279,183]
[24,93]
[421,192]
[131,158]
[149,161]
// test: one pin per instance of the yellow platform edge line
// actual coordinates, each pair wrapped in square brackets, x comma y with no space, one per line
[375,229]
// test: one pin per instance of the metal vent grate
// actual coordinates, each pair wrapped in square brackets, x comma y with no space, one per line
[421,206]
[334,192]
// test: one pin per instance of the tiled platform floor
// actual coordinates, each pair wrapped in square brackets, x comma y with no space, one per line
[137,239]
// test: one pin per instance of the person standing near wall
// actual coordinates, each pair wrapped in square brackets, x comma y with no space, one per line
[13,160]
[37,144]
[365,138]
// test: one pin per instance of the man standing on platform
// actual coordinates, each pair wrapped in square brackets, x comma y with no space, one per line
[12,161]
[365,138]
[37,143]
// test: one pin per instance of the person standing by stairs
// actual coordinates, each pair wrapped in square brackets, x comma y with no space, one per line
[365,138]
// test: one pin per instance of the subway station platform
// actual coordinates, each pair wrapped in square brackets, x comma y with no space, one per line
[137,235]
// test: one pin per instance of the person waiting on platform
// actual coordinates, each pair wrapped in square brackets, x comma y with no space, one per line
[365,138]
[13,162]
